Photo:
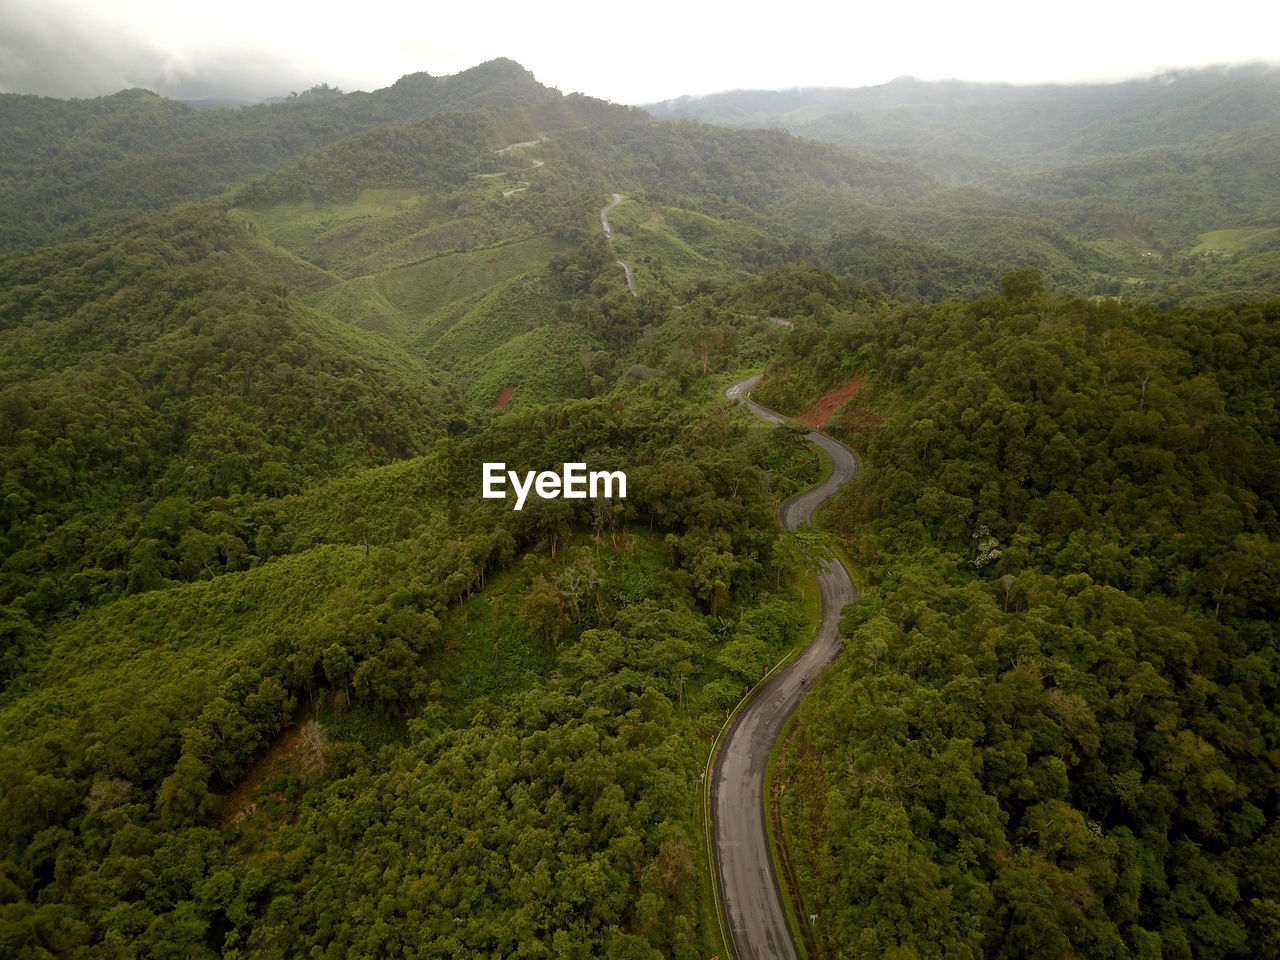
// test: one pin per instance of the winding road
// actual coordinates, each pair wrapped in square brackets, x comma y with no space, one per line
[608,235]
[631,277]
[523,184]
[753,916]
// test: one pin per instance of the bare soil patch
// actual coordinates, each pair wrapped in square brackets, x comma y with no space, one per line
[831,401]
[297,750]
[239,805]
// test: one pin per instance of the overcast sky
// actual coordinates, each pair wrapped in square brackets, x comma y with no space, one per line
[634,52]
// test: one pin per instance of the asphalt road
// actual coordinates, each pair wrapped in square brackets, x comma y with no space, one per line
[631,277]
[754,918]
[604,215]
[608,235]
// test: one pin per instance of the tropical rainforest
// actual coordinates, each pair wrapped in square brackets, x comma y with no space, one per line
[275,681]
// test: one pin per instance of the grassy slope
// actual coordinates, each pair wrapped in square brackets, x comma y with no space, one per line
[670,246]
[403,301]
[141,647]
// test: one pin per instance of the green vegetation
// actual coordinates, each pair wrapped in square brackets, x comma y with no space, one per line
[1135,169]
[154,386]
[1053,727]
[1001,125]
[275,681]
[677,247]
[69,168]
[616,648]
[404,301]
[246,611]
[1232,241]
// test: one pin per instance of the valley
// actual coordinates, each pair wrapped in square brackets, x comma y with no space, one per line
[278,680]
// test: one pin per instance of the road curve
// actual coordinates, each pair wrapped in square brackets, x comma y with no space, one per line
[753,915]
[631,277]
[608,235]
[524,184]
[604,215]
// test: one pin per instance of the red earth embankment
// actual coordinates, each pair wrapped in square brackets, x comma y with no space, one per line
[824,407]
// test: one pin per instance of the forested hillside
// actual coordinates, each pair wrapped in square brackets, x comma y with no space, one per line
[475,687]
[1022,127]
[276,681]
[69,168]
[1053,730]
[1167,185]
[252,600]
[153,379]
[1135,204]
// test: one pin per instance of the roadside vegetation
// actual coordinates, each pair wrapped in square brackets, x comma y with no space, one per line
[1053,726]
[275,681]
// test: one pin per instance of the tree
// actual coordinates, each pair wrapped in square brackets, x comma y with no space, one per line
[17,635]
[184,798]
[339,666]
[1019,286]
[542,608]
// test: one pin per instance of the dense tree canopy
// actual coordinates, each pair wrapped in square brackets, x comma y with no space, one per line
[1053,729]
[275,681]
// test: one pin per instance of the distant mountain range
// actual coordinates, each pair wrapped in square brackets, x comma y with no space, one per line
[1017,127]
[1152,188]
[70,167]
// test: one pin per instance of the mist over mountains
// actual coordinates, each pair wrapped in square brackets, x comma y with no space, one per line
[1025,126]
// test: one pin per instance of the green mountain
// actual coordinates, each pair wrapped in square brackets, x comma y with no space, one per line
[1014,127]
[242,576]
[275,680]
[1166,186]
[950,186]
[1053,723]
[69,168]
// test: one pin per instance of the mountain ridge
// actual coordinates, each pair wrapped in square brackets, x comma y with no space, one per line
[135,150]
[899,113]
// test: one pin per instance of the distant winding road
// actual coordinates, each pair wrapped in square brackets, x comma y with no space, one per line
[753,915]
[608,235]
[523,184]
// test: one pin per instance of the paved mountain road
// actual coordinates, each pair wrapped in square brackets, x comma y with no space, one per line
[608,235]
[754,918]
[604,215]
[631,277]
